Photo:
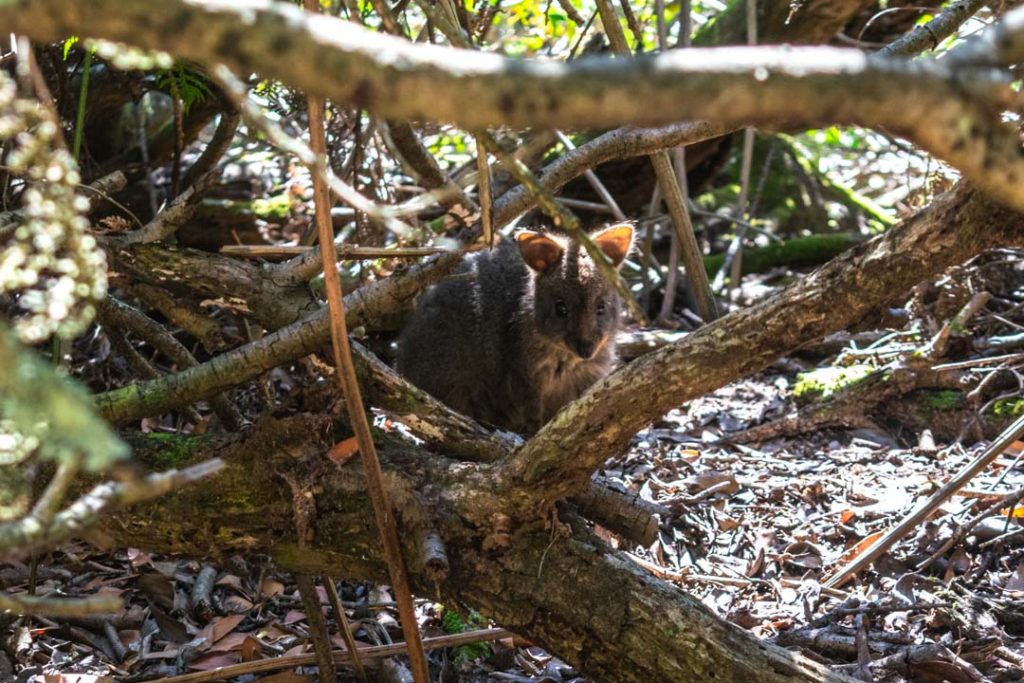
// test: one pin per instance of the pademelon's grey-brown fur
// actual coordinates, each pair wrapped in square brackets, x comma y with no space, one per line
[510,343]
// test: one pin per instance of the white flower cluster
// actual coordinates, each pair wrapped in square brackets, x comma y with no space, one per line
[50,266]
[15,446]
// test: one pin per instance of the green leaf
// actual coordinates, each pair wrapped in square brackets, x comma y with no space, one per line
[55,414]
[191,87]
[68,44]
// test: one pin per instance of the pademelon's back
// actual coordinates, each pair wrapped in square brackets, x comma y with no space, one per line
[457,344]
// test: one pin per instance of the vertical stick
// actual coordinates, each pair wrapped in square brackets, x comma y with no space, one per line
[382,511]
[483,184]
[344,627]
[674,199]
[317,627]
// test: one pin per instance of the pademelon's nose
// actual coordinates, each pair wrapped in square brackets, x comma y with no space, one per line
[585,349]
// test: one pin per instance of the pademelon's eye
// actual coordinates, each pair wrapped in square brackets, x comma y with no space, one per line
[561,309]
[600,308]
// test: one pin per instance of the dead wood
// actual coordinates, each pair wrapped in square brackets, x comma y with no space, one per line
[611,618]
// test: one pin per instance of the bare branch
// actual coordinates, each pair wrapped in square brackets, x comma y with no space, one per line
[18,539]
[615,144]
[671,189]
[1001,45]
[928,36]
[59,607]
[348,383]
[120,314]
[958,119]
[215,149]
[167,222]
[246,362]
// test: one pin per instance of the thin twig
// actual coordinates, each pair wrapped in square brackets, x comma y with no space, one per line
[484,192]
[594,181]
[215,149]
[572,12]
[1008,500]
[345,252]
[117,313]
[317,624]
[928,36]
[60,607]
[18,539]
[168,221]
[994,450]
[367,653]
[349,385]
[344,627]
[740,581]
[674,199]
[937,347]
[49,502]
[142,367]
[317,164]
[733,261]
[634,25]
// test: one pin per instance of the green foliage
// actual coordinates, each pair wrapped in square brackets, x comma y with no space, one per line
[1008,407]
[451,147]
[47,415]
[68,44]
[452,623]
[186,83]
[275,207]
[175,450]
[944,399]
[825,382]
[532,27]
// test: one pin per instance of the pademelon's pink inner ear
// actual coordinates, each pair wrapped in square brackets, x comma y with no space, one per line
[539,251]
[615,242]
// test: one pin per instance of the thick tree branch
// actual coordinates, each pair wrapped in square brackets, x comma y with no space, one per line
[646,631]
[274,299]
[956,119]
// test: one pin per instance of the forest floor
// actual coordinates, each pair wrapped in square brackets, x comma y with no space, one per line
[754,530]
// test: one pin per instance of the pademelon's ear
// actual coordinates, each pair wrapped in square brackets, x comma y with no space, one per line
[615,241]
[539,251]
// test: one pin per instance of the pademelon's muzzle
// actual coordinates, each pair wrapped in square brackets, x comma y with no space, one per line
[585,349]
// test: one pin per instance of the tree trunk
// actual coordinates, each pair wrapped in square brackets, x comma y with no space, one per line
[563,589]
